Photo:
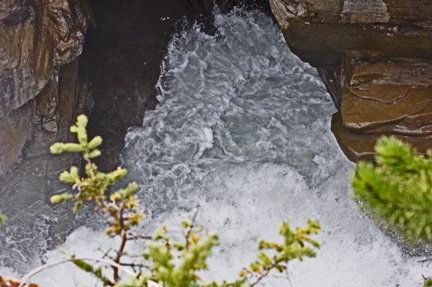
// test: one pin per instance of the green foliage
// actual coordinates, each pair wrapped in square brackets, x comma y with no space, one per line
[96,183]
[192,253]
[121,206]
[97,272]
[427,282]
[2,218]
[168,263]
[398,188]
[294,246]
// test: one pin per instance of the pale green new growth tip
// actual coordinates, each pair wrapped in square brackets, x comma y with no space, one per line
[169,263]
[89,149]
[59,198]
[2,218]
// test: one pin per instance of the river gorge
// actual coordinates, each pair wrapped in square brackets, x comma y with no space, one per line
[241,129]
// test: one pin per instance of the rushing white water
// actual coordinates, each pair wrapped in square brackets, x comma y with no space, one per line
[243,131]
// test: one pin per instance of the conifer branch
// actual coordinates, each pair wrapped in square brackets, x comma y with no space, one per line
[397,189]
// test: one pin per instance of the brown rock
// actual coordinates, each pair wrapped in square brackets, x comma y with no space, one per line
[35,38]
[375,58]
[30,182]
[360,146]
[15,129]
[389,95]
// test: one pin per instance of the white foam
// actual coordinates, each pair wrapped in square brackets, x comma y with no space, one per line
[272,157]
[243,130]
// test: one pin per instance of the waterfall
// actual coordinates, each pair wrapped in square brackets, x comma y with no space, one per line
[242,130]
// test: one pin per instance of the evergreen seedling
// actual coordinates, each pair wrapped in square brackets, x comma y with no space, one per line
[2,218]
[164,262]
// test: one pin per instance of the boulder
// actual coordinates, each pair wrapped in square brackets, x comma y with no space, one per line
[374,57]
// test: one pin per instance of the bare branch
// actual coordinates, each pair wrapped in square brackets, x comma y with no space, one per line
[191,226]
[101,260]
[261,277]
[135,236]
[426,260]
[133,265]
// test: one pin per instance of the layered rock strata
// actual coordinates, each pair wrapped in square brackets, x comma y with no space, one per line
[40,96]
[375,59]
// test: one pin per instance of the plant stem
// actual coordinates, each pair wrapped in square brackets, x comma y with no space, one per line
[124,239]
[101,260]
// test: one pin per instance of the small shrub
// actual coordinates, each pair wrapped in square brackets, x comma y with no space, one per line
[164,262]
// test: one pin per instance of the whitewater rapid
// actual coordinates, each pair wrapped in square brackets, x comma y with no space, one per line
[242,130]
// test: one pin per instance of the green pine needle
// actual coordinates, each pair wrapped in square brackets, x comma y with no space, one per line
[397,189]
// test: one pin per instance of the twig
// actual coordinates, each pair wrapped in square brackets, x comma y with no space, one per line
[425,260]
[287,275]
[191,226]
[263,275]
[122,243]
[106,254]
[89,162]
[138,236]
[135,265]
[101,260]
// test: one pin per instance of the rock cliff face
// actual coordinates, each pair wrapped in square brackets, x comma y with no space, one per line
[40,95]
[36,38]
[375,58]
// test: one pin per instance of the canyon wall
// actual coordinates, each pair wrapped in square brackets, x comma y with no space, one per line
[375,58]
[40,96]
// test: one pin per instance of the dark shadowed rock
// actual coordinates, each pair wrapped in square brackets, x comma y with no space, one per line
[123,55]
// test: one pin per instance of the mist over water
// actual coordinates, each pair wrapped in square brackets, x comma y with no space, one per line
[243,131]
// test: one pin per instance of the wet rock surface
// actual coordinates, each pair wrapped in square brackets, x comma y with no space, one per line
[40,96]
[35,39]
[374,57]
[29,183]
[388,96]
[122,59]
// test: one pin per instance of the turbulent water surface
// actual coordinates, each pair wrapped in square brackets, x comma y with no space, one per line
[243,131]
